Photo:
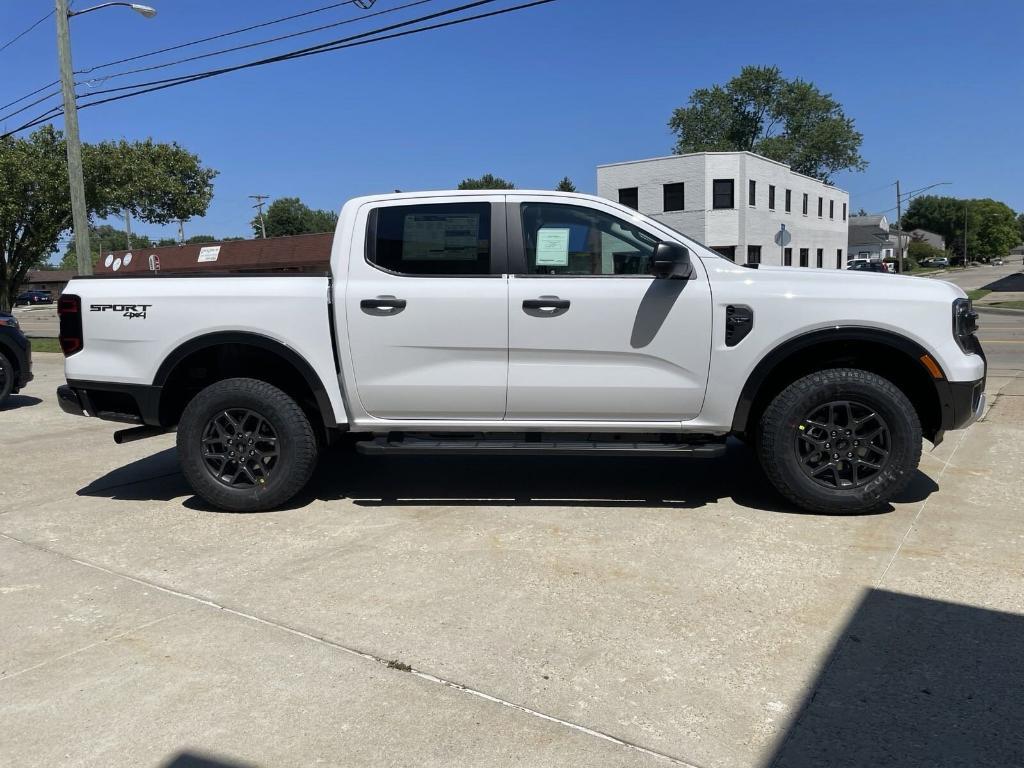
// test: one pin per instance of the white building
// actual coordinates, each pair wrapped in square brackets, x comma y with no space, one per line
[738,204]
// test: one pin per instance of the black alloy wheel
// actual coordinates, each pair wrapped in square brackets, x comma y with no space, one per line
[843,444]
[240,448]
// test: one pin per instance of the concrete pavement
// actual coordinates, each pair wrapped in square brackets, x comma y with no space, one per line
[535,612]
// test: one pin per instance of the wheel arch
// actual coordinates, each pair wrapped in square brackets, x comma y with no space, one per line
[884,352]
[174,378]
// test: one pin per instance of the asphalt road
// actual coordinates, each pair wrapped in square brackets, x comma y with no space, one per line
[445,611]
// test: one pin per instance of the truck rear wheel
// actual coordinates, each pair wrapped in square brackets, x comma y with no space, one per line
[840,441]
[246,446]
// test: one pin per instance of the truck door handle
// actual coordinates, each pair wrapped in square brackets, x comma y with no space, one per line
[382,305]
[547,302]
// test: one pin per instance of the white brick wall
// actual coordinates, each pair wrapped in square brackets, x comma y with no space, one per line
[743,225]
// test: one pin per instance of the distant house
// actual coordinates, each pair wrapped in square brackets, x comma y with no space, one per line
[933,239]
[871,237]
[52,280]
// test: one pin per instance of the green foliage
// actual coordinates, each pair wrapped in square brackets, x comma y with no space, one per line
[157,183]
[918,250]
[566,185]
[198,239]
[163,242]
[1020,225]
[103,239]
[487,181]
[290,216]
[760,111]
[992,229]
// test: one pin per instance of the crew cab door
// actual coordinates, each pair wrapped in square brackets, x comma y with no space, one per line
[593,336]
[426,308]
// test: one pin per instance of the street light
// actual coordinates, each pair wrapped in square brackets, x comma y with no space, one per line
[76,181]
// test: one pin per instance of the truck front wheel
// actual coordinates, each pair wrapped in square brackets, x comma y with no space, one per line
[246,446]
[840,441]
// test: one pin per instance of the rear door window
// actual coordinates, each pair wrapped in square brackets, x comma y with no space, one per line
[452,239]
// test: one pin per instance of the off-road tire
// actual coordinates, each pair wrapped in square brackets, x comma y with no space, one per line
[7,376]
[295,439]
[778,437]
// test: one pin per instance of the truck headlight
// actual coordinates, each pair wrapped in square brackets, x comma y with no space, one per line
[965,323]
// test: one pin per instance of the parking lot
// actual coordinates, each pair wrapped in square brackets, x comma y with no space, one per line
[454,611]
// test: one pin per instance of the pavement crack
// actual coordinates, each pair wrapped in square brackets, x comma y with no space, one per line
[84,648]
[365,655]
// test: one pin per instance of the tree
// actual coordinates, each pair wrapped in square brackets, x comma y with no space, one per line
[103,239]
[992,229]
[156,183]
[197,239]
[760,111]
[1020,225]
[487,181]
[566,185]
[290,216]
[862,212]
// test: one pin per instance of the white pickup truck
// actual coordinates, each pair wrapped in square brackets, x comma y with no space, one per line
[527,322]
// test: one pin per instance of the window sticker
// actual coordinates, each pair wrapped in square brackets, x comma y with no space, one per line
[431,237]
[553,247]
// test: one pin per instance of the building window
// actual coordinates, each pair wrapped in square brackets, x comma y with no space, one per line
[806,199]
[821,206]
[751,192]
[787,256]
[630,196]
[821,258]
[831,209]
[753,254]
[729,251]
[839,258]
[789,201]
[771,197]
[722,193]
[675,199]
[805,255]
[844,211]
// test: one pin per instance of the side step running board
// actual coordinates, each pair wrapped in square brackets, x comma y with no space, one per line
[417,446]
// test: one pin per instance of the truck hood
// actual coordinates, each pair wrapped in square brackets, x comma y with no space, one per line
[838,283]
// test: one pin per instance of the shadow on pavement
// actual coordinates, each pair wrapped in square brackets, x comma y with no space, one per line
[19,401]
[193,760]
[915,682]
[1010,283]
[495,481]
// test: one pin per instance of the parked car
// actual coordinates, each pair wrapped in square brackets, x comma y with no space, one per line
[33,297]
[935,261]
[15,358]
[997,262]
[868,266]
[498,323]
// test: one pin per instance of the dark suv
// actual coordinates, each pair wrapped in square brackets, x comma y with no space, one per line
[15,358]
[33,298]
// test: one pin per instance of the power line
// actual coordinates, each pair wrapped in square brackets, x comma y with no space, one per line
[219,36]
[348,42]
[268,41]
[299,53]
[28,106]
[18,37]
[179,46]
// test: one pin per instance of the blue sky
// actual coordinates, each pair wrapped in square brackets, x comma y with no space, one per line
[935,87]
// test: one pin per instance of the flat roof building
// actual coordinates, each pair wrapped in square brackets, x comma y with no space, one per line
[743,205]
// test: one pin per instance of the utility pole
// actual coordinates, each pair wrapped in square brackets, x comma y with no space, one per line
[181,231]
[899,225]
[965,235]
[259,205]
[76,181]
[128,226]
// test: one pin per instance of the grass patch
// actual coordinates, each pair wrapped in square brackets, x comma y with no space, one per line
[45,345]
[977,293]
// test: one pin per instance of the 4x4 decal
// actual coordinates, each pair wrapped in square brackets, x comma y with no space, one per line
[131,311]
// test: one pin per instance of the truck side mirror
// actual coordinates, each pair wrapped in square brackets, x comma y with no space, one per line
[672,261]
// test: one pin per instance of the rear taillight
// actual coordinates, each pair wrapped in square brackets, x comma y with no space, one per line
[69,310]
